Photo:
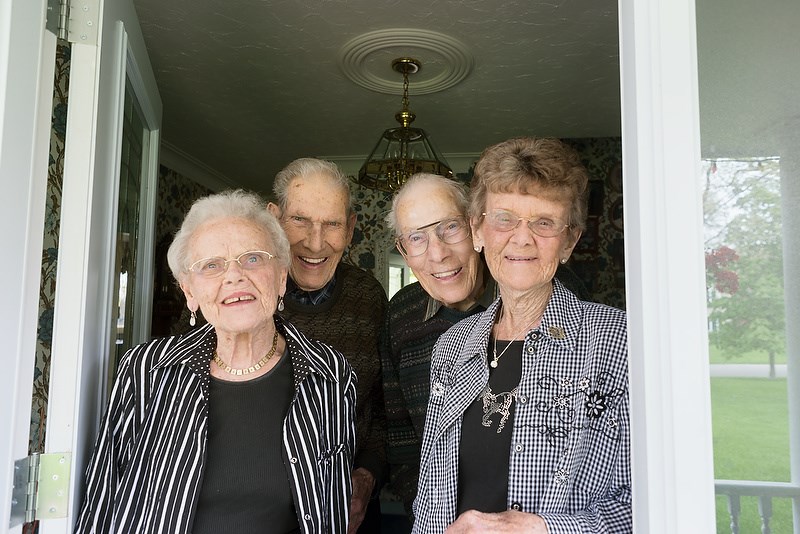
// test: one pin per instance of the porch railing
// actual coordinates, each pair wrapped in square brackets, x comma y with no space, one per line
[734,490]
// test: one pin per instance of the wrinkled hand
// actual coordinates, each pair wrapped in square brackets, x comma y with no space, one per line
[509,522]
[363,484]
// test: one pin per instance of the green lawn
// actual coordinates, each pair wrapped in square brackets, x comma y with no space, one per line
[751,442]
[717,356]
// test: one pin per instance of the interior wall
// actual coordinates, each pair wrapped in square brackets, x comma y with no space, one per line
[47,288]
[599,257]
[176,193]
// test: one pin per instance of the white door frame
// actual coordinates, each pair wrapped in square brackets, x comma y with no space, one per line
[27,66]
[672,462]
[83,326]
[673,478]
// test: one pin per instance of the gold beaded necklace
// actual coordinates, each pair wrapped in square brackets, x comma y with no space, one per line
[253,368]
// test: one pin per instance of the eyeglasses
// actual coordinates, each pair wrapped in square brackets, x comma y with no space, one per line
[252,260]
[505,221]
[304,223]
[450,231]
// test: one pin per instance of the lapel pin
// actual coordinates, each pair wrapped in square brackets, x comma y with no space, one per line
[557,332]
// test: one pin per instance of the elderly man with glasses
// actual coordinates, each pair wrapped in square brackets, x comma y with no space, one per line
[429,218]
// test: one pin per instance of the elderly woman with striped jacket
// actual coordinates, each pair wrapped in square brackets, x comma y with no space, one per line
[242,425]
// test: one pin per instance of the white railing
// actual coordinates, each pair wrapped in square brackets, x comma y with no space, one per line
[734,490]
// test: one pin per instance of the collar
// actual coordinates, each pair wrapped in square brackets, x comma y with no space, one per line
[300,347]
[318,296]
[490,293]
[562,317]
[194,350]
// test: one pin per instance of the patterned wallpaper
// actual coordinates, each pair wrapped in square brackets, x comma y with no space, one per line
[599,257]
[372,241]
[47,290]
[176,193]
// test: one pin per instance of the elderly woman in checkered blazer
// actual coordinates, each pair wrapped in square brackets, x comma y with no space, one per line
[527,428]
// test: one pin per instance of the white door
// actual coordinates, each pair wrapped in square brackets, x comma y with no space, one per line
[84,326]
[27,61]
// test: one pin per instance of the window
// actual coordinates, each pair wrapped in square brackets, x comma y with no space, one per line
[748,108]
[399,273]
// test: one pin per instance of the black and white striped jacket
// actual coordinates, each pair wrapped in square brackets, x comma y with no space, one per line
[146,471]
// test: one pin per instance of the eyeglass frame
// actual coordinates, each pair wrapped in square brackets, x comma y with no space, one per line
[227,262]
[425,230]
[529,220]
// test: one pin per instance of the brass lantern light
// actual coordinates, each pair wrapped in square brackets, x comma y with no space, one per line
[402,151]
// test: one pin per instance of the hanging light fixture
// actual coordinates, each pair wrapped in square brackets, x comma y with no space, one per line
[402,151]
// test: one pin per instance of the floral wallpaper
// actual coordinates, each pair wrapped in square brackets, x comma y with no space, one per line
[47,290]
[599,257]
[176,193]
[371,239]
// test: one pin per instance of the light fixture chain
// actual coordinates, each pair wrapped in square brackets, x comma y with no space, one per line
[405,90]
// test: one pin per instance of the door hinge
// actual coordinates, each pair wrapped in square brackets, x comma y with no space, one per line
[41,487]
[76,21]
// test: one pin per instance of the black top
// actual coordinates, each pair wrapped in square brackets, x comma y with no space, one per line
[245,485]
[486,431]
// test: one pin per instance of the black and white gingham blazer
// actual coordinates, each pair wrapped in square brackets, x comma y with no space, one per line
[146,472]
[570,452]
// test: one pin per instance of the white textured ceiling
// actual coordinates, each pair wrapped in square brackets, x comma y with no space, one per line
[249,85]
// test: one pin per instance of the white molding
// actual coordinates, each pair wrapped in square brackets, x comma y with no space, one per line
[790,220]
[82,329]
[673,479]
[179,161]
[75,326]
[27,65]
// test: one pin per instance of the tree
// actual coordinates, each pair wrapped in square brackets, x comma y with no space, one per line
[744,258]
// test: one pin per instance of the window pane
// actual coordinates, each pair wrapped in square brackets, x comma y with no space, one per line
[129,206]
[749,82]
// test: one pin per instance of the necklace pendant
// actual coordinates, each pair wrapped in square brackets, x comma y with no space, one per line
[493,364]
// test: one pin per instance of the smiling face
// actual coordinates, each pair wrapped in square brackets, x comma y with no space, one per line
[448,273]
[318,228]
[238,301]
[521,261]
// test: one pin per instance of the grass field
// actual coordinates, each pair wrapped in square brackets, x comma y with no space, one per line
[751,442]
[717,356]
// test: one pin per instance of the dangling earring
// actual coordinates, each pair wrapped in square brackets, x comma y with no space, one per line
[193,319]
[280,303]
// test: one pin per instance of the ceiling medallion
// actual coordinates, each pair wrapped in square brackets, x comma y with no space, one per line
[364,59]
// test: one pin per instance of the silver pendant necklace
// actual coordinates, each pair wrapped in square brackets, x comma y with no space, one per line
[496,357]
